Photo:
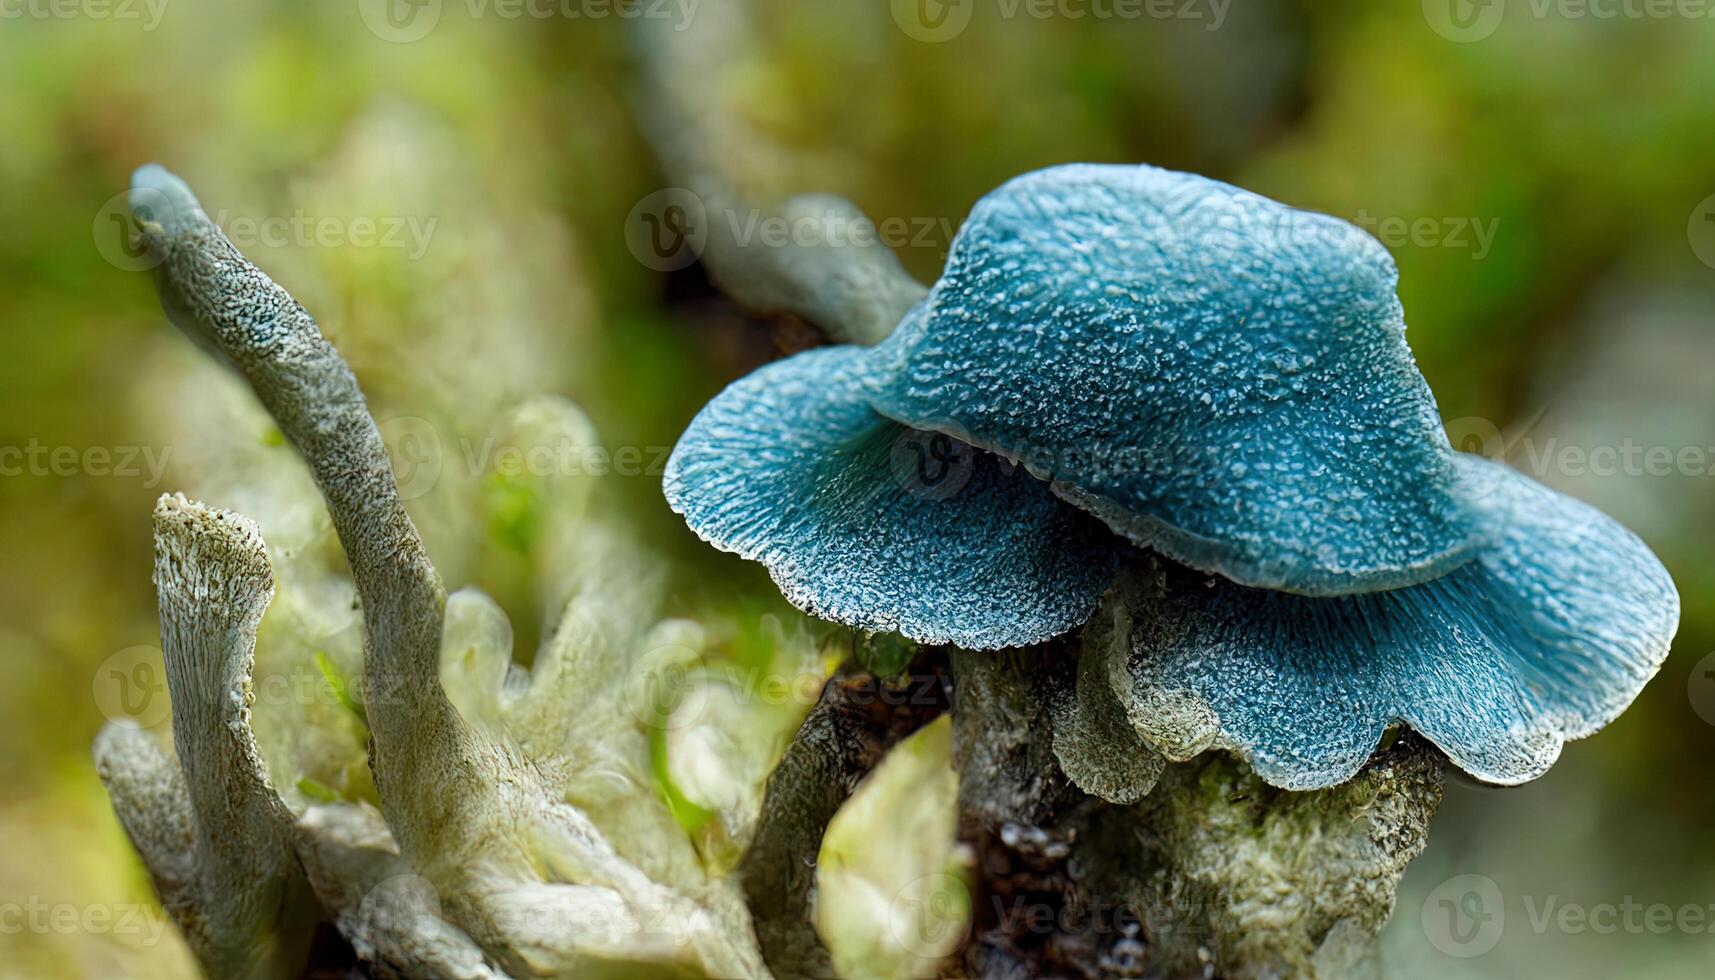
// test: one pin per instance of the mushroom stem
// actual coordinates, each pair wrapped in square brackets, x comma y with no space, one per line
[1191,874]
[1003,735]
[217,839]
[225,303]
[1208,854]
[846,734]
[833,271]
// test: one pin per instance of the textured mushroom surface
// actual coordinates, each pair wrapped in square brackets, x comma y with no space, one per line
[1218,376]
[1247,882]
[866,522]
[1223,874]
[1548,635]
[1093,739]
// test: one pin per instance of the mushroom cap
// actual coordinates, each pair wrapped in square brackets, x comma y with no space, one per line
[865,522]
[1217,376]
[1546,636]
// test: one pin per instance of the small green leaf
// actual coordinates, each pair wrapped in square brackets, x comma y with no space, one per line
[318,791]
[336,684]
[885,654]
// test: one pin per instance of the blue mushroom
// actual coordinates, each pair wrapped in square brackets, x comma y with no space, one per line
[1546,636]
[1125,366]
[1220,378]
[864,521]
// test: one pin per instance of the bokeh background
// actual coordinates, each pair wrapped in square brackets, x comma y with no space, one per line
[1543,172]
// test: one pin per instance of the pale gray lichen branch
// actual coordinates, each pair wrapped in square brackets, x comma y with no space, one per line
[154,808]
[392,917]
[212,585]
[215,836]
[831,267]
[481,812]
[226,304]
[245,879]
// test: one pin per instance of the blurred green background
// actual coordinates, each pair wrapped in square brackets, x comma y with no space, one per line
[1543,172]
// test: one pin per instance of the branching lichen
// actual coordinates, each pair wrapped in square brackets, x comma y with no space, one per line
[222,301]
[508,873]
[214,834]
